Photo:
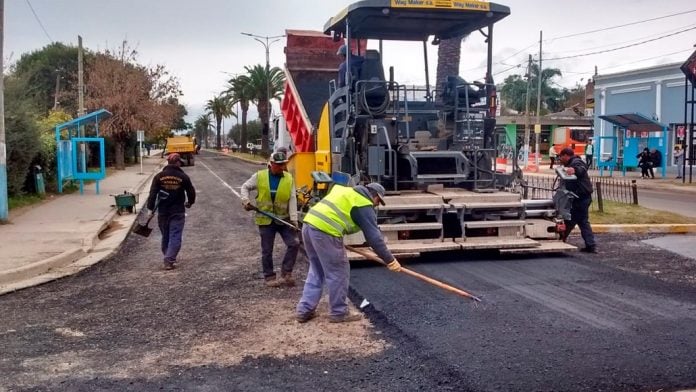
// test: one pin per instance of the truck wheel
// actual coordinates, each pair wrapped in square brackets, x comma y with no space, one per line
[190,161]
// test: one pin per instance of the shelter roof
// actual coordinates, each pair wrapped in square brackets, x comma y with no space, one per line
[86,119]
[634,122]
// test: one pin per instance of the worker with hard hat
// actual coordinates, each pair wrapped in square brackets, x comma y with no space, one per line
[344,210]
[275,195]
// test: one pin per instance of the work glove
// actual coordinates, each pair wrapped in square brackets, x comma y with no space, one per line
[294,223]
[248,206]
[394,266]
[187,205]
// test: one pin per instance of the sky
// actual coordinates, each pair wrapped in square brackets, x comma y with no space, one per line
[201,43]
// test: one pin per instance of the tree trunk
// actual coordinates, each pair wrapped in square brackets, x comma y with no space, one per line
[218,126]
[243,136]
[119,150]
[264,108]
[448,56]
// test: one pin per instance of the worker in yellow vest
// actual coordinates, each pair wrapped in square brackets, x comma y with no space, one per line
[276,195]
[344,210]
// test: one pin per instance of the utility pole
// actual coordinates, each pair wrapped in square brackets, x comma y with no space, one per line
[4,209]
[537,126]
[266,46]
[55,97]
[526,114]
[80,79]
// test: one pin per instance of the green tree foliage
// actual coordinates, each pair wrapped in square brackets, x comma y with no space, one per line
[254,129]
[46,156]
[22,134]
[201,127]
[219,107]
[239,91]
[42,68]
[261,83]
[514,91]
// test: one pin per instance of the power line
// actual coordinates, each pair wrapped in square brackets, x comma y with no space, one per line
[626,42]
[621,47]
[39,20]
[623,25]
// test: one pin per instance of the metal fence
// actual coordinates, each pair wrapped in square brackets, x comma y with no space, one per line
[605,188]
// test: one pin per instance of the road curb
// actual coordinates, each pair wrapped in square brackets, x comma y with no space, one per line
[25,272]
[645,229]
[236,157]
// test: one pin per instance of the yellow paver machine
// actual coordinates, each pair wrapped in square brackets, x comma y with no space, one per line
[432,147]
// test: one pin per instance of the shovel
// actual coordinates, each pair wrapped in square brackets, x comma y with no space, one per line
[145,230]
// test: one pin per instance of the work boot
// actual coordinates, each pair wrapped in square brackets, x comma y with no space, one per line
[303,318]
[287,279]
[271,281]
[589,249]
[169,266]
[345,318]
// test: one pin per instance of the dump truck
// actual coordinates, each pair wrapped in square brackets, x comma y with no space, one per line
[184,146]
[431,147]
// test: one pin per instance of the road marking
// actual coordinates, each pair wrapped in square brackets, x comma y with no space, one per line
[228,186]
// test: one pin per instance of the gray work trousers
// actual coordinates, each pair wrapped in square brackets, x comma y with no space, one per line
[328,264]
[289,236]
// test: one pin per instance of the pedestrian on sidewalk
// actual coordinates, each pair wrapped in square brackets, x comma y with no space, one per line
[552,155]
[276,195]
[645,163]
[580,207]
[679,160]
[344,210]
[656,157]
[171,214]
[589,153]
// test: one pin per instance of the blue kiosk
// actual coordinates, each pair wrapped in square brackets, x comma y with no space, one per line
[632,133]
[73,152]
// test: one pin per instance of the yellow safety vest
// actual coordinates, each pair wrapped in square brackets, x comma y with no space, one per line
[279,207]
[332,214]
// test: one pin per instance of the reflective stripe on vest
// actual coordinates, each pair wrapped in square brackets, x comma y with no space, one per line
[280,206]
[332,214]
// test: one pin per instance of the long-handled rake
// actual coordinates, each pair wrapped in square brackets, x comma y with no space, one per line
[434,282]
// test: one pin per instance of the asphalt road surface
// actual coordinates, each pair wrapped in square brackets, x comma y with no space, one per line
[620,320]
[683,203]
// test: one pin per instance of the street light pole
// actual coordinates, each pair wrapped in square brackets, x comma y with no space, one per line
[4,209]
[267,44]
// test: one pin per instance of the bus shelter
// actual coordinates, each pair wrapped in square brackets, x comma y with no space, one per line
[80,152]
[632,133]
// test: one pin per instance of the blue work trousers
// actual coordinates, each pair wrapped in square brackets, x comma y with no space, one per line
[580,216]
[172,228]
[328,264]
[289,236]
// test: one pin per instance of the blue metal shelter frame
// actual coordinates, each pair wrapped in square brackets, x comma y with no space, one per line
[637,131]
[67,153]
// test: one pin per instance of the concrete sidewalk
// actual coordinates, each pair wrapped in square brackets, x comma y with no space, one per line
[38,244]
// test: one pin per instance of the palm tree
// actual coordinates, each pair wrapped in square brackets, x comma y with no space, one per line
[201,127]
[448,55]
[263,82]
[220,108]
[239,91]
[514,90]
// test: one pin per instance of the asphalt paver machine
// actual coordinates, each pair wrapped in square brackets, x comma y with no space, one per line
[431,146]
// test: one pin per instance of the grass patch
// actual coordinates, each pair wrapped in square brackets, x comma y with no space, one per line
[620,213]
[23,201]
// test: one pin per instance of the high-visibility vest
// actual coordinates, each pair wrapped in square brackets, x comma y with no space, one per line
[279,207]
[332,214]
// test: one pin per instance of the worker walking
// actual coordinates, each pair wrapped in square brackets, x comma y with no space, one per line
[344,210]
[580,207]
[275,195]
[171,216]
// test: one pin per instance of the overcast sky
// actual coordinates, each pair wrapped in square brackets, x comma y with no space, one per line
[200,41]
